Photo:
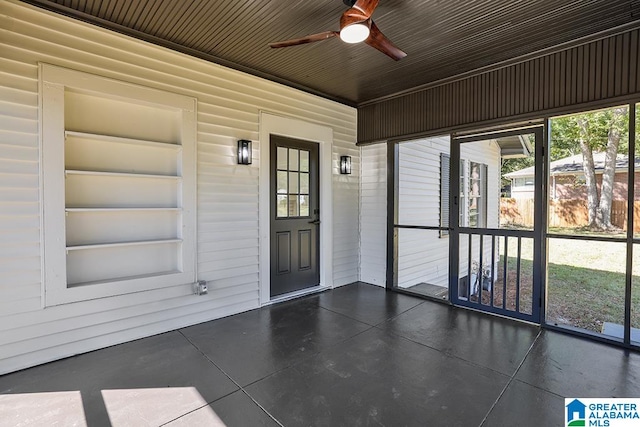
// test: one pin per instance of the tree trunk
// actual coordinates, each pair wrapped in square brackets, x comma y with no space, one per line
[588,166]
[609,173]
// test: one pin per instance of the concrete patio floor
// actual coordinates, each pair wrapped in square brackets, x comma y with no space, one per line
[356,355]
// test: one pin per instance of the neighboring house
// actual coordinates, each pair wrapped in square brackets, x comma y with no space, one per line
[567,181]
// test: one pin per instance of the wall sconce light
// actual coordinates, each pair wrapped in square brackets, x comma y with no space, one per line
[244,152]
[345,165]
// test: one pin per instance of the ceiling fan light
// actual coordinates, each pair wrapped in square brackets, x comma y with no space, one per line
[354,33]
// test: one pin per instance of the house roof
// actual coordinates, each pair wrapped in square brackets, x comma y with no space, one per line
[573,164]
[441,38]
[515,146]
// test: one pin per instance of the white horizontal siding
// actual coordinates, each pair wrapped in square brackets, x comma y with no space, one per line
[373,214]
[229,105]
[345,217]
[423,256]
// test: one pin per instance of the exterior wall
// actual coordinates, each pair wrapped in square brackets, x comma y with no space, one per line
[423,256]
[569,79]
[373,214]
[229,105]
[522,192]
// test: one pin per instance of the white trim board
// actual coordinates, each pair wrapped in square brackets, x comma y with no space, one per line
[59,279]
[272,124]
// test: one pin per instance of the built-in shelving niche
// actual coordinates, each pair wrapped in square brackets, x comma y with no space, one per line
[122,204]
[119,164]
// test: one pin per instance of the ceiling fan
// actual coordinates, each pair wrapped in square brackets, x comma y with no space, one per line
[356,26]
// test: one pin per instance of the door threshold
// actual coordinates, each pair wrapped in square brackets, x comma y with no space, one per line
[297,294]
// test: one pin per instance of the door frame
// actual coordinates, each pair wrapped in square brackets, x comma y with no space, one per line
[272,123]
[538,233]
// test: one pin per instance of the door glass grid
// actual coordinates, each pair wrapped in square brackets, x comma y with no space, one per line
[292,176]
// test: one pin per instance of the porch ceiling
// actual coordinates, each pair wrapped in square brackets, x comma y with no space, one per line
[442,38]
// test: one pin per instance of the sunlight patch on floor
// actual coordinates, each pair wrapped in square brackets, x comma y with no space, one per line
[156,406]
[62,408]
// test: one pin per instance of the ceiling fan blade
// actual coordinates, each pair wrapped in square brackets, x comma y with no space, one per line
[307,39]
[383,44]
[366,6]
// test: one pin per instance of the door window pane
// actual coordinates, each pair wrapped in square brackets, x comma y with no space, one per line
[292,187]
[282,161]
[293,206]
[304,183]
[304,161]
[282,182]
[282,206]
[293,183]
[293,159]
[304,205]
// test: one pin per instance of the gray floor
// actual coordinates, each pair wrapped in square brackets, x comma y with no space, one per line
[353,356]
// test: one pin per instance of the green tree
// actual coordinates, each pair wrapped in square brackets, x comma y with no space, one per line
[602,131]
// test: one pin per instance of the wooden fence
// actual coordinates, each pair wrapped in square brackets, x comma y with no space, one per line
[563,213]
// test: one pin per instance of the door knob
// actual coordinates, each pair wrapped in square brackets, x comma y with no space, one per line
[315,221]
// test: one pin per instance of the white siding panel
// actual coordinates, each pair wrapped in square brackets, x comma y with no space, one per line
[423,256]
[373,214]
[229,105]
[346,193]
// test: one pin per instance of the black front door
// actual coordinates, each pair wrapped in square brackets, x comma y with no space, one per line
[295,215]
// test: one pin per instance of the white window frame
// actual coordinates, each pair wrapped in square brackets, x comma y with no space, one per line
[53,82]
[465,196]
[464,193]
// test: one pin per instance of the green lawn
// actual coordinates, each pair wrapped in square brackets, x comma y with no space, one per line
[585,285]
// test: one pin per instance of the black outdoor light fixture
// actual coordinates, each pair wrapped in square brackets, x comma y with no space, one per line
[345,165]
[244,152]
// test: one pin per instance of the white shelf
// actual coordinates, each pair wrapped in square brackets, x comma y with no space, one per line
[122,279]
[122,244]
[79,210]
[120,140]
[120,174]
